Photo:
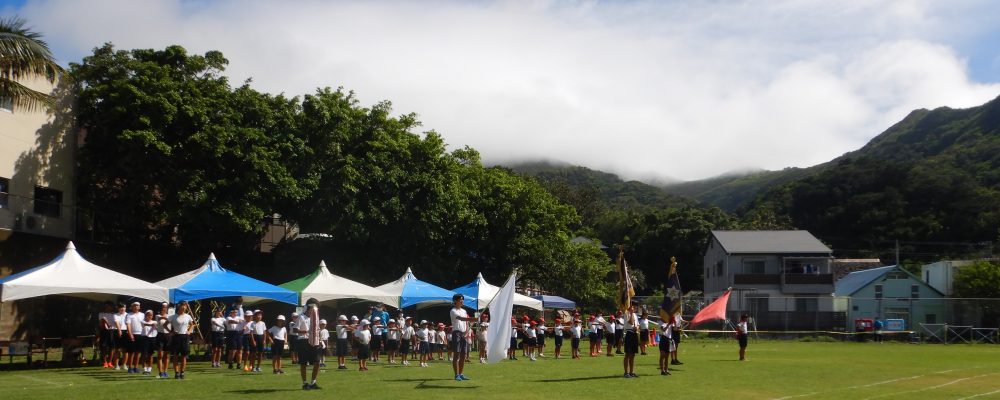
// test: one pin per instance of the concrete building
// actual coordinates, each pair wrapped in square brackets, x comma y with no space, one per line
[941,275]
[781,278]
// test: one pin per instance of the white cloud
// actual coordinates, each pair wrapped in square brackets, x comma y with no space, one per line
[682,89]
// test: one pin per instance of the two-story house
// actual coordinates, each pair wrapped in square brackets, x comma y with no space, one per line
[782,279]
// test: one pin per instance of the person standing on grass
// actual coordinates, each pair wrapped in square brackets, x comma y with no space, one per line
[218,338]
[610,325]
[643,332]
[247,340]
[276,337]
[666,346]
[392,341]
[630,339]
[148,340]
[133,331]
[593,336]
[619,332]
[376,326]
[181,325]
[234,339]
[460,320]
[293,338]
[343,330]
[558,331]
[120,337]
[106,320]
[163,341]
[258,330]
[364,335]
[324,342]
[405,341]
[309,342]
[576,332]
[481,328]
[421,340]
[512,350]
[877,330]
[678,330]
[741,336]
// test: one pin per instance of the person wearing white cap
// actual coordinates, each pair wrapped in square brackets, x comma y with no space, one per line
[324,342]
[422,342]
[276,337]
[376,344]
[258,328]
[405,339]
[308,347]
[120,338]
[133,337]
[218,337]
[234,338]
[245,326]
[162,341]
[392,340]
[148,338]
[364,336]
[355,323]
[343,328]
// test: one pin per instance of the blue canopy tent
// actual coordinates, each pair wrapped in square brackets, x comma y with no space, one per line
[213,281]
[555,302]
[411,291]
[479,293]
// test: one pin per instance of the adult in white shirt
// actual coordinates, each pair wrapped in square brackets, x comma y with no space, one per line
[181,325]
[133,333]
[459,333]
[307,326]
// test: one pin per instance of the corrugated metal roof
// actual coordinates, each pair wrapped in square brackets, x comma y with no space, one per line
[770,242]
[854,281]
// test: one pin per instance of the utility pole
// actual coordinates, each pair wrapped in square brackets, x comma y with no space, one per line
[897,252]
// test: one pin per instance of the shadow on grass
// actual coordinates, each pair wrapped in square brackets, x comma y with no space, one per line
[586,378]
[415,380]
[725,360]
[424,385]
[262,391]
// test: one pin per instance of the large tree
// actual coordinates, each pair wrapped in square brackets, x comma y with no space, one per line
[24,56]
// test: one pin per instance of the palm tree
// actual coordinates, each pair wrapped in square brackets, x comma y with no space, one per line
[24,55]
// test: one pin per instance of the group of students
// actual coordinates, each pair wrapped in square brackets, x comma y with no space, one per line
[128,340]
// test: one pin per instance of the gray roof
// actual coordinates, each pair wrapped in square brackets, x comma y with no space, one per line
[770,242]
[856,280]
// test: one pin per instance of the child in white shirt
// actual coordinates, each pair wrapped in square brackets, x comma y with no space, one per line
[364,336]
[276,336]
[324,337]
[422,341]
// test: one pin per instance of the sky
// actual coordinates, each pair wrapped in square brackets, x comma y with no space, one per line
[646,89]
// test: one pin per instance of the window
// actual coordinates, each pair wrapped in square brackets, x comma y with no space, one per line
[914,291]
[878,291]
[806,304]
[930,319]
[7,104]
[753,266]
[48,202]
[4,190]
[854,308]
[718,268]
[927,276]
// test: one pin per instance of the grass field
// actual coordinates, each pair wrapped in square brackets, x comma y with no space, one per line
[774,370]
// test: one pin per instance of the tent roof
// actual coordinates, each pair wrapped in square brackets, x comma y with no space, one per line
[479,293]
[211,281]
[412,291]
[324,286]
[71,275]
[549,301]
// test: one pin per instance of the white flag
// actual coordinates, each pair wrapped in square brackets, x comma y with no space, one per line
[498,333]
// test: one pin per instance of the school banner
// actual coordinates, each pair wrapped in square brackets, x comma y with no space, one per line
[671,305]
[498,333]
[625,289]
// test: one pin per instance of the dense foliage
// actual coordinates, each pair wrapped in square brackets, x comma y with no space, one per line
[176,159]
[980,280]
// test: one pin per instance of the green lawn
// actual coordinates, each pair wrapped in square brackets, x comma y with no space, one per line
[774,369]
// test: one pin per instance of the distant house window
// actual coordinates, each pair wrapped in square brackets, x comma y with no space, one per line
[927,276]
[896,275]
[753,266]
[854,308]
[718,268]
[7,104]
[48,202]
[930,319]
[806,304]
[878,291]
[914,291]
[4,190]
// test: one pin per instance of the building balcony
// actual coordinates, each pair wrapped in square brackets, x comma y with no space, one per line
[807,283]
[746,281]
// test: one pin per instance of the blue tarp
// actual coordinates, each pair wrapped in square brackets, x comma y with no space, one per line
[471,293]
[213,281]
[555,302]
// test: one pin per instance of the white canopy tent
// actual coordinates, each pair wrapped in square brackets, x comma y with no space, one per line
[483,292]
[70,275]
[325,286]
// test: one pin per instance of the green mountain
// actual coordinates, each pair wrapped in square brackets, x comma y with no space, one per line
[576,184]
[733,190]
[934,177]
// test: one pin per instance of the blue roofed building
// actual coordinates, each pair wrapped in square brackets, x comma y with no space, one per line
[890,293]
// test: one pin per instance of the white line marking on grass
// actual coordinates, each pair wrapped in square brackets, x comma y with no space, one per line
[873,384]
[981,394]
[932,387]
[45,381]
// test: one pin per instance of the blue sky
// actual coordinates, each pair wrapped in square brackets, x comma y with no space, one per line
[682,89]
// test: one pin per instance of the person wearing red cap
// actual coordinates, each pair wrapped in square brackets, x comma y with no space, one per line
[512,349]
[557,337]
[540,330]
[576,332]
[630,339]
[593,336]
[531,339]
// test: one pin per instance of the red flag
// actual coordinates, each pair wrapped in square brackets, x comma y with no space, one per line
[714,311]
